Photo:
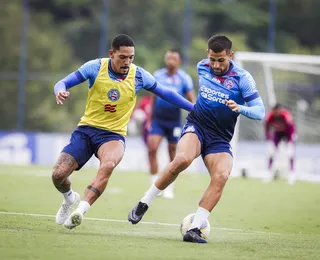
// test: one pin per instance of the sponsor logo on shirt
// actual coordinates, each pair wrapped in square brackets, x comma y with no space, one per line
[217,80]
[213,95]
[110,108]
[190,129]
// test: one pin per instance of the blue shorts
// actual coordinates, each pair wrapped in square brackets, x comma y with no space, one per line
[86,140]
[210,143]
[171,130]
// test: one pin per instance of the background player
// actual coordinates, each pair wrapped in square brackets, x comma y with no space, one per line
[142,114]
[224,89]
[166,118]
[113,85]
[279,126]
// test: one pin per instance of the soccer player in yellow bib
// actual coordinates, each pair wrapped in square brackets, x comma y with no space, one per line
[113,86]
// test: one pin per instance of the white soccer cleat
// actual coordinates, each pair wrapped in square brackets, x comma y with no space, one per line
[64,211]
[73,220]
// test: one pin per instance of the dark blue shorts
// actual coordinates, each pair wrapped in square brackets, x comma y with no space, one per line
[86,140]
[210,143]
[170,130]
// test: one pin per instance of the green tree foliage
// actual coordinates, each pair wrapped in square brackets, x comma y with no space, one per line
[47,52]
[63,34]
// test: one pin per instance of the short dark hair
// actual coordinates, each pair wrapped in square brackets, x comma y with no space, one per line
[219,43]
[175,50]
[277,106]
[122,40]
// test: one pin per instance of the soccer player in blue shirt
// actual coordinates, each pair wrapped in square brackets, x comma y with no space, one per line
[166,118]
[224,88]
[112,92]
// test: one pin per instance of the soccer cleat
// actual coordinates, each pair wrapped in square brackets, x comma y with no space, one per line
[194,236]
[136,214]
[73,220]
[64,211]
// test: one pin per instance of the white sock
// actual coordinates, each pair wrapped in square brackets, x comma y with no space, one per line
[68,197]
[154,177]
[150,195]
[200,217]
[170,188]
[83,207]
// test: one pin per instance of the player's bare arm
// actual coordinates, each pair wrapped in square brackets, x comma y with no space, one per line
[190,96]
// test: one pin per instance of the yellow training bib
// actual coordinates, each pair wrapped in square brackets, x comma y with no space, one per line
[110,103]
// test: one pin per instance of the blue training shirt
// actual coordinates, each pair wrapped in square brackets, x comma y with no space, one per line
[210,112]
[90,70]
[181,83]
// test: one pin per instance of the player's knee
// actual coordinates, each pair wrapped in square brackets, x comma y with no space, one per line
[220,178]
[182,160]
[58,177]
[107,167]
[152,150]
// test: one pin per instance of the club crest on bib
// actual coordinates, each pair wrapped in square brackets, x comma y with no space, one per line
[113,94]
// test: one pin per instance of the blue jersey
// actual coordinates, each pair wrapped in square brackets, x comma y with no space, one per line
[180,82]
[90,70]
[210,112]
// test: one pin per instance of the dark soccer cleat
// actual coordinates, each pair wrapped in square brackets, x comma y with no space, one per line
[136,214]
[194,236]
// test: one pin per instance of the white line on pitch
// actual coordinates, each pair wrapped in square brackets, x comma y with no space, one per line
[126,221]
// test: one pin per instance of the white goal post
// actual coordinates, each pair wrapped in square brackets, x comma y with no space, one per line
[294,81]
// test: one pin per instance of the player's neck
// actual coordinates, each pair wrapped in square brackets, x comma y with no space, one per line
[172,71]
[110,65]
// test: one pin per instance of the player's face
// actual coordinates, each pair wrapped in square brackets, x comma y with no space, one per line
[219,61]
[121,59]
[277,112]
[172,60]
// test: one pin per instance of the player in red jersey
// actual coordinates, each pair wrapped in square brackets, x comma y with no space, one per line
[142,113]
[279,126]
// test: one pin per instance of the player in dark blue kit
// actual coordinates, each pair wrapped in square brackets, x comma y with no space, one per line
[224,88]
[166,118]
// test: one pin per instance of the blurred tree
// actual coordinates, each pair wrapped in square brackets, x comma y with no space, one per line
[63,34]
[47,52]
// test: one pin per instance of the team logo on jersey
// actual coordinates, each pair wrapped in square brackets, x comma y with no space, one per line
[228,83]
[113,94]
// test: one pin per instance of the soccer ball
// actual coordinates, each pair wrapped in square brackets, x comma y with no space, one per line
[186,223]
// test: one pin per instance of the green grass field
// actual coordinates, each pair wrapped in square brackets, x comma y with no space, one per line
[252,221]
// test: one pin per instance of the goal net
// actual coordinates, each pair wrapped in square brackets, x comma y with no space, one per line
[293,81]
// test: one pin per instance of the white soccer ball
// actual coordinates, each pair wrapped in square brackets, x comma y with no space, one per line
[186,223]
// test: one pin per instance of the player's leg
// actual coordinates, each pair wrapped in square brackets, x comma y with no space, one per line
[272,146]
[172,135]
[73,157]
[110,155]
[65,165]
[219,166]
[291,154]
[156,134]
[189,148]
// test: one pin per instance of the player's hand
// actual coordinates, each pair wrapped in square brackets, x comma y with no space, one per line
[232,105]
[61,96]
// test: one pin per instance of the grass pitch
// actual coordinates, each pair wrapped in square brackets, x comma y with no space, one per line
[253,220]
